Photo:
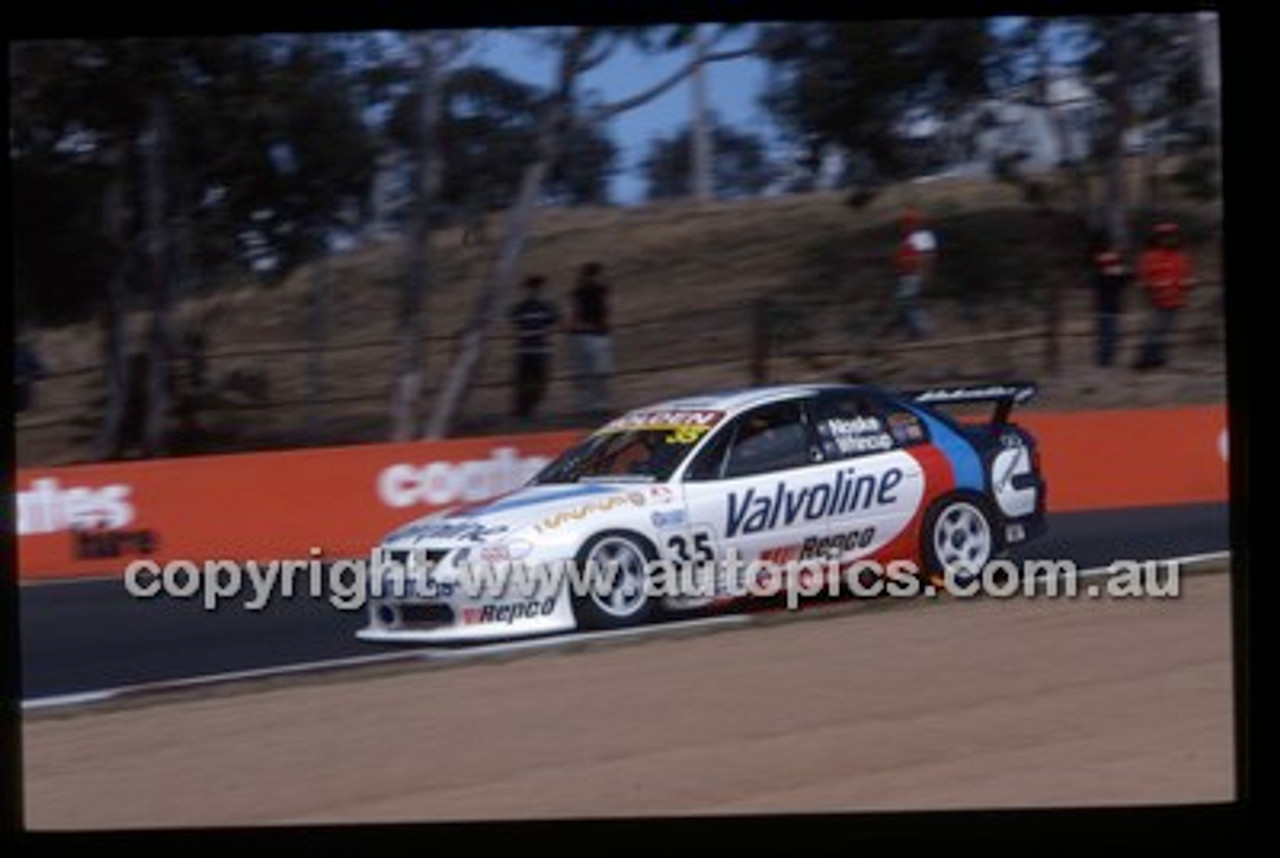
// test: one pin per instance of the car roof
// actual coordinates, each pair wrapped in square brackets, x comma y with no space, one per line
[736,400]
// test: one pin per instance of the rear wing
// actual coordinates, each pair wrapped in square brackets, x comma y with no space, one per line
[1004,395]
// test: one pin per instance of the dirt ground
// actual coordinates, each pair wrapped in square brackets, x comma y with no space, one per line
[995,704]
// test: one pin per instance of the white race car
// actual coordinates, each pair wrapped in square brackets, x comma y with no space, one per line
[778,474]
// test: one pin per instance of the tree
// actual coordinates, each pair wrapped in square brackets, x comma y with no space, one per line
[433,51]
[489,124]
[1034,61]
[741,168]
[579,50]
[701,143]
[188,146]
[587,163]
[61,132]
[697,39]
[551,128]
[1144,70]
[852,85]
[291,153]
[74,143]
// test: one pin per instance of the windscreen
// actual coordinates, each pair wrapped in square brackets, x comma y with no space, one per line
[641,446]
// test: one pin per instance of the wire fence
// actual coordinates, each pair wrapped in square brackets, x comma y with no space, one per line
[291,389]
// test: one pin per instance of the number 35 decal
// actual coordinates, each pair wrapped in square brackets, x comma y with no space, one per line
[694,546]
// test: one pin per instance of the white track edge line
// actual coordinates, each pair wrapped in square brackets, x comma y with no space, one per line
[79,698]
[57,701]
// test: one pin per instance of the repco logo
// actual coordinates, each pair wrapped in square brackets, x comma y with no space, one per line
[443,483]
[48,507]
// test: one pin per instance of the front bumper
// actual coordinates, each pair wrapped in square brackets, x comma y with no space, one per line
[400,621]
[452,610]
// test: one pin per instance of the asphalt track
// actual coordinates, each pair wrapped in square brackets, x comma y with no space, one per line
[81,636]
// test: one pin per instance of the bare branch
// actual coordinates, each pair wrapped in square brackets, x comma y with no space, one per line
[588,60]
[607,111]
[454,48]
[718,36]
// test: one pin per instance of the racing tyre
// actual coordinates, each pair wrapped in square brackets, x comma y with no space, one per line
[959,538]
[618,592]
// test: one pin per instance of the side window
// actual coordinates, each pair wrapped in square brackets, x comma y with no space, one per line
[905,427]
[770,438]
[709,463]
[852,424]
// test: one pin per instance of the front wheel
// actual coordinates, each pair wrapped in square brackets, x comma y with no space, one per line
[959,539]
[615,567]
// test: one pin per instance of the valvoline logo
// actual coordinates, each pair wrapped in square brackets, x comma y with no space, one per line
[753,511]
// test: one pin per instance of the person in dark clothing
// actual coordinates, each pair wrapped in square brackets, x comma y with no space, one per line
[137,401]
[27,370]
[592,344]
[533,318]
[1110,277]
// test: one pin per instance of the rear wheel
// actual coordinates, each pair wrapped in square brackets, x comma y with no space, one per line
[959,539]
[616,566]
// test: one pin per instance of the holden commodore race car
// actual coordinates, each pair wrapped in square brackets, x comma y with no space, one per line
[776,474]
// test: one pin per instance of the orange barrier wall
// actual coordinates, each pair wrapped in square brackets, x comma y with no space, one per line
[1148,457]
[94,519]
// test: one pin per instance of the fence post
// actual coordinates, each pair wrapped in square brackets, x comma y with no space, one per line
[761,312]
[1052,342]
[317,333]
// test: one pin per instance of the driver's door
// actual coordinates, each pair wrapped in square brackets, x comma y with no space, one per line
[761,488]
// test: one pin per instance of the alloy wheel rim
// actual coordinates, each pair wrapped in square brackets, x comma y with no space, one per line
[618,582]
[962,539]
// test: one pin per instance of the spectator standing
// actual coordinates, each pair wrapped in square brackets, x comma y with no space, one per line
[1165,272]
[591,339]
[534,318]
[27,370]
[913,260]
[1110,277]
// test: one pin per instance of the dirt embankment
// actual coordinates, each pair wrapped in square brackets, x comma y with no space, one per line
[686,280]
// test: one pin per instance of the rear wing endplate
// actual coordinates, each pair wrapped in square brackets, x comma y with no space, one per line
[1004,395]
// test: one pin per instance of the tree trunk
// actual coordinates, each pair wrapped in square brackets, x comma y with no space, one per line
[1205,35]
[317,333]
[1077,177]
[189,336]
[1151,162]
[160,345]
[106,444]
[1080,194]
[493,295]
[1053,319]
[1117,180]
[700,140]
[417,281]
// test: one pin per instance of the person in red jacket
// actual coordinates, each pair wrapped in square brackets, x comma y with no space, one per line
[913,261]
[1164,269]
